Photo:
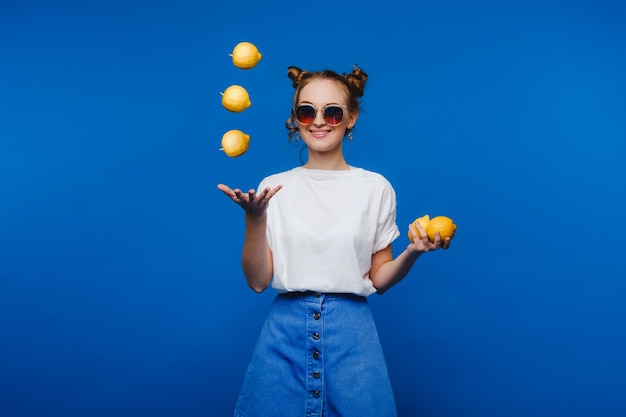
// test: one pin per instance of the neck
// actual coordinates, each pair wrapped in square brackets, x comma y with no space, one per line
[326,162]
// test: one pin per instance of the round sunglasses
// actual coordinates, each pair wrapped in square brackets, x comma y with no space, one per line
[332,114]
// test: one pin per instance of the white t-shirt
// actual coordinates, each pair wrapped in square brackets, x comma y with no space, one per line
[323,227]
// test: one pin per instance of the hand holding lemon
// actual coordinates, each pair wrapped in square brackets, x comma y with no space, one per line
[439,224]
[422,221]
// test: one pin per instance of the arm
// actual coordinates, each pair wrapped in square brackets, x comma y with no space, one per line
[256,257]
[387,272]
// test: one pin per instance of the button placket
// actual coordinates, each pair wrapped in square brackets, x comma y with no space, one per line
[315,340]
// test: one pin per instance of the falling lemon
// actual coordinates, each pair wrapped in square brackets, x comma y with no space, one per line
[245,55]
[442,224]
[235,143]
[423,221]
[236,98]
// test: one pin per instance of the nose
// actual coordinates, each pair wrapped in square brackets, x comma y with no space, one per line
[319,118]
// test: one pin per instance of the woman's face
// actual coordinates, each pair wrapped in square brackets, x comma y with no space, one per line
[319,135]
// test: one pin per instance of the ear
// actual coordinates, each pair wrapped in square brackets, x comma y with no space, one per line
[353,117]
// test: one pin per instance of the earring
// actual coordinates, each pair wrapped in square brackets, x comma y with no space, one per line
[350,134]
[298,137]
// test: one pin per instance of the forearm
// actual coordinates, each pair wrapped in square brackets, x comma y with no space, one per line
[392,271]
[256,257]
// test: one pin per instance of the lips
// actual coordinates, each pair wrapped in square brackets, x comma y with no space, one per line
[319,133]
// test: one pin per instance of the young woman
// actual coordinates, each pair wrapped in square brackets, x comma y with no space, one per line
[321,235]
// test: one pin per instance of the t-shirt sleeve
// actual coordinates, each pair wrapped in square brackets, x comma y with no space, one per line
[387,229]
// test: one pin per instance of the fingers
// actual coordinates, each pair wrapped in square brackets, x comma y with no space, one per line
[437,241]
[225,189]
[417,232]
[268,192]
[263,198]
[254,204]
[271,193]
[421,241]
[232,194]
[239,196]
[420,231]
[441,244]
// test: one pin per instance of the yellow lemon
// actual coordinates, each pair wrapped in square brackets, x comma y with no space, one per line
[442,224]
[236,98]
[235,143]
[245,55]
[423,221]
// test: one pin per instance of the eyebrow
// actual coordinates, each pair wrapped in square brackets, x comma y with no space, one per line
[325,105]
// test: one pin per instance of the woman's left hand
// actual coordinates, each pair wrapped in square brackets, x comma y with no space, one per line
[424,244]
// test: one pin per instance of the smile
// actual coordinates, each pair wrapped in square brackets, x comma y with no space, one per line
[319,133]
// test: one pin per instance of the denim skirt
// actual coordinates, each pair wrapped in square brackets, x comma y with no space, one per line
[317,355]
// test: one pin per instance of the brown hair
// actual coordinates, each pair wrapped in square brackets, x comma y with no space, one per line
[353,85]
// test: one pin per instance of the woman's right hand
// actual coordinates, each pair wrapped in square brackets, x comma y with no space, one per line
[254,205]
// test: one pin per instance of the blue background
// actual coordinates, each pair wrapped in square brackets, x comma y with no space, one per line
[121,292]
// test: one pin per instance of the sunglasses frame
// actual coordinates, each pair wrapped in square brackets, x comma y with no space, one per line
[315,110]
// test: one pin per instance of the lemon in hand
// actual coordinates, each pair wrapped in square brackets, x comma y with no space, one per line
[423,221]
[245,55]
[236,98]
[442,224]
[235,143]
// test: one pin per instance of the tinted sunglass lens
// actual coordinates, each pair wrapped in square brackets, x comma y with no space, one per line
[333,115]
[305,114]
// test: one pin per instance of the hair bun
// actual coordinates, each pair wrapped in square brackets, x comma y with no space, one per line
[295,74]
[356,80]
